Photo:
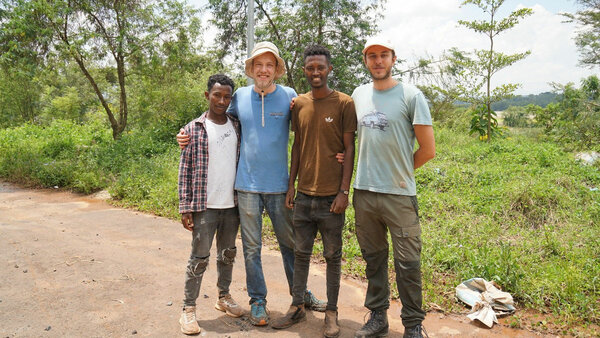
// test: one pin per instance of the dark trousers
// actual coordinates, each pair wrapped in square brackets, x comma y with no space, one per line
[311,214]
[224,223]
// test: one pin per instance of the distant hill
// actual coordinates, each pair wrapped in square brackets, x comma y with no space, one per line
[541,100]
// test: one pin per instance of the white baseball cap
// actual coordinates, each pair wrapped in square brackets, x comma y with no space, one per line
[378,41]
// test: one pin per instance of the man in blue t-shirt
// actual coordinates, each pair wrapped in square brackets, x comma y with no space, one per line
[391,115]
[263,110]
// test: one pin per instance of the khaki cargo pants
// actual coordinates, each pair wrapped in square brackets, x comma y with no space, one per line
[376,214]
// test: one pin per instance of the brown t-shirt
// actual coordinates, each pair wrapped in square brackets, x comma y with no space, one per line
[319,125]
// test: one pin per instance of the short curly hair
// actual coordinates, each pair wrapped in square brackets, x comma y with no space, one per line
[221,79]
[317,50]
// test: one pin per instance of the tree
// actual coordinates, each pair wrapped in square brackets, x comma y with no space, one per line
[20,91]
[340,25]
[439,83]
[168,89]
[575,120]
[19,67]
[477,68]
[92,33]
[588,35]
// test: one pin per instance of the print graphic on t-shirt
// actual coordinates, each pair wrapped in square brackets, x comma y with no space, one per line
[375,120]
[328,119]
[223,137]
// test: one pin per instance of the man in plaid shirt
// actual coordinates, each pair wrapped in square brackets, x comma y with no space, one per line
[207,200]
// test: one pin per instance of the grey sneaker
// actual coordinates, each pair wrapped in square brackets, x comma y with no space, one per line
[229,306]
[313,303]
[416,331]
[295,314]
[376,326]
[188,322]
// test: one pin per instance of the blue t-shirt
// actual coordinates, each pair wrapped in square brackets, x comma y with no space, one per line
[263,164]
[386,137]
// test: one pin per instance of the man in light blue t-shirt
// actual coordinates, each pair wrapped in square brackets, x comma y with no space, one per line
[263,110]
[391,115]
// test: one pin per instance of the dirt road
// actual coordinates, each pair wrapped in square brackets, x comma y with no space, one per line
[72,266]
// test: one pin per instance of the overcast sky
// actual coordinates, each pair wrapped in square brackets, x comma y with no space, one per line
[428,27]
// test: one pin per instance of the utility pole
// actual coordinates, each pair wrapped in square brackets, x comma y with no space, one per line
[250,32]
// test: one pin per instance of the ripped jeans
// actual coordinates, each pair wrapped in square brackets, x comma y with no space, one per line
[225,223]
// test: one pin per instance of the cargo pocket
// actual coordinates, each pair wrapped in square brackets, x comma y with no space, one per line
[413,231]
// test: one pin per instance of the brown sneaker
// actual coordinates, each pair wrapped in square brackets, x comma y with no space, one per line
[294,315]
[229,306]
[331,328]
[188,322]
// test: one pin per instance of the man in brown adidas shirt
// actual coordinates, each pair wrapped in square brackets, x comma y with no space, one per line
[324,122]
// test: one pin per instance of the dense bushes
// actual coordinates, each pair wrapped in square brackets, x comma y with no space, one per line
[139,169]
[520,117]
[575,120]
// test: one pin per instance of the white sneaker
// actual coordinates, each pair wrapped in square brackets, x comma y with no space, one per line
[188,322]
[229,306]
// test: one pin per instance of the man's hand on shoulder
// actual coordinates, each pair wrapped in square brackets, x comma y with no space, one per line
[183,139]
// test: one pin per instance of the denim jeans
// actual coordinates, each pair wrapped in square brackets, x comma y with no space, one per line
[311,214]
[225,223]
[251,207]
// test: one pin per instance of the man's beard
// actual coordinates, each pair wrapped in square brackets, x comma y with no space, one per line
[384,77]
[263,85]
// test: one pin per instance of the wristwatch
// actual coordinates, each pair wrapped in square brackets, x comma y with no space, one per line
[345,192]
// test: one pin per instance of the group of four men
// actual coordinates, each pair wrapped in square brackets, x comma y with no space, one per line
[245,134]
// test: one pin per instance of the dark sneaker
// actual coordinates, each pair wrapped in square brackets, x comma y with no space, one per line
[376,326]
[416,331]
[294,315]
[331,329]
[313,303]
[258,313]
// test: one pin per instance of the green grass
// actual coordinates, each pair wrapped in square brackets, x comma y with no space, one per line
[519,210]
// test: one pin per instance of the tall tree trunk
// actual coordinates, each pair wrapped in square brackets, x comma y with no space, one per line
[114,124]
[123,98]
[62,31]
[320,24]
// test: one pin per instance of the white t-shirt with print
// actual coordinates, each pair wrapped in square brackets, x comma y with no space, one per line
[222,154]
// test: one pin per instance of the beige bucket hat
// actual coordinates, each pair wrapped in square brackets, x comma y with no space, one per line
[261,48]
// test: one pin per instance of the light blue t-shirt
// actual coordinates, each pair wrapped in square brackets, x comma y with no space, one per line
[263,164]
[386,137]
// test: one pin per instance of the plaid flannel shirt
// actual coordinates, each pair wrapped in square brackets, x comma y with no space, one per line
[193,166]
